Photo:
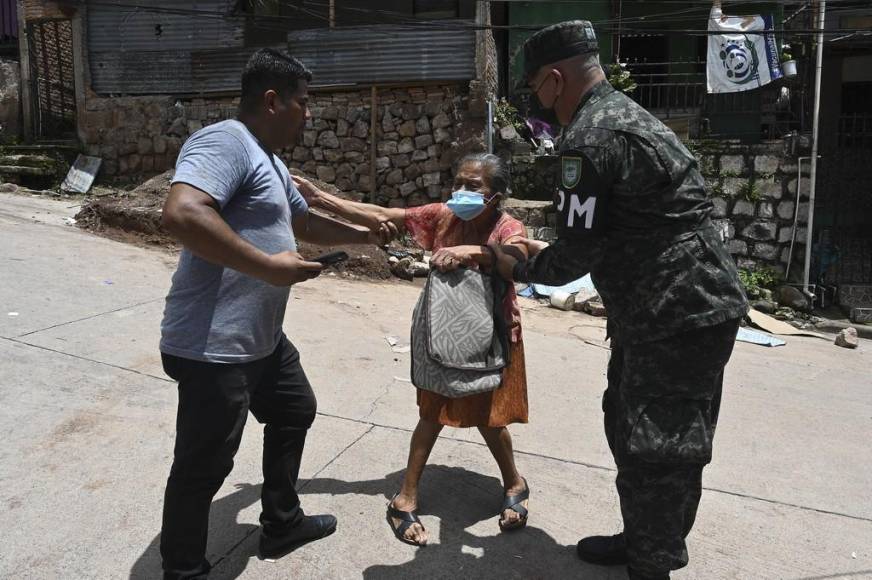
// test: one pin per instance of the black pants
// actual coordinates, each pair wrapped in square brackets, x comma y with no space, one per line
[661,408]
[214,400]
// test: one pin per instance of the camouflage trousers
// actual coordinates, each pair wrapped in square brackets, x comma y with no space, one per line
[661,408]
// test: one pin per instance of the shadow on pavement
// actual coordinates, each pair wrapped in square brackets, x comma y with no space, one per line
[222,522]
[461,499]
[458,497]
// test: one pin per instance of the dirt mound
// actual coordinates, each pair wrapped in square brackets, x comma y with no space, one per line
[135,217]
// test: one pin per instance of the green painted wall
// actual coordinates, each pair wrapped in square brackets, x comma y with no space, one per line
[541,14]
[670,16]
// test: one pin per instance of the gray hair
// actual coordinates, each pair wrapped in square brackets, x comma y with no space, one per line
[498,170]
[585,62]
[590,61]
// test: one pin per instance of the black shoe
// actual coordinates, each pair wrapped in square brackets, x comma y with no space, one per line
[311,528]
[603,550]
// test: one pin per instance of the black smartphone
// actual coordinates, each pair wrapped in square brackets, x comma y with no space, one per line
[331,258]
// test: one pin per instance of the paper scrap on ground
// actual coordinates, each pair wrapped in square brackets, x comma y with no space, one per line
[755,337]
[775,326]
[584,283]
[82,173]
[395,345]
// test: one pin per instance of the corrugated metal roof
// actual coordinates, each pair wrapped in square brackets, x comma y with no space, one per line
[185,58]
[220,71]
[140,73]
[138,51]
[113,28]
[385,53]
[8,19]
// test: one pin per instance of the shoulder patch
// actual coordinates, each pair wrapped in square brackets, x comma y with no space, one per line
[570,171]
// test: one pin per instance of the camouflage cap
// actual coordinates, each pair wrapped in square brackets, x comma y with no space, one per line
[557,42]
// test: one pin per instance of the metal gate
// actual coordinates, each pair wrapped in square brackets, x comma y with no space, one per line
[843,215]
[50,45]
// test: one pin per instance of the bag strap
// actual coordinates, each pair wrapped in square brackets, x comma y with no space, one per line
[501,326]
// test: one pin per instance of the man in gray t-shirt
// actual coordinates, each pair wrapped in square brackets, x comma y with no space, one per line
[235,209]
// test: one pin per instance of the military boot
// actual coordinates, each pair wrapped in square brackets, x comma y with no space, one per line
[603,550]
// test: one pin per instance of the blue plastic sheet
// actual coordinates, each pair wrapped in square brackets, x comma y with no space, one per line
[584,283]
[526,292]
[756,337]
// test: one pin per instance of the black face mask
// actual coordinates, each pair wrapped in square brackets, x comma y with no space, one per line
[538,111]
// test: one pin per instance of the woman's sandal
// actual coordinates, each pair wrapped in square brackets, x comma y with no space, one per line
[406,521]
[514,503]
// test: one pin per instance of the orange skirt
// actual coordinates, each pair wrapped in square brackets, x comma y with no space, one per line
[498,408]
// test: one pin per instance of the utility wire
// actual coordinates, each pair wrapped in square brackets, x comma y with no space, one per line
[466,25]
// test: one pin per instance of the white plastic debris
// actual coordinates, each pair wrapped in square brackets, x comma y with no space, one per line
[13,314]
[562,300]
[69,221]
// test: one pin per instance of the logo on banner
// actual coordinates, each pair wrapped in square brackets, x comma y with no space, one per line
[571,171]
[740,61]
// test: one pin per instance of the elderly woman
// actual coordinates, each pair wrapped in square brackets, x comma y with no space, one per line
[458,233]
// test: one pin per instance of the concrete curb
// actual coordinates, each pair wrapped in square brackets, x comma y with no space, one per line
[834,326]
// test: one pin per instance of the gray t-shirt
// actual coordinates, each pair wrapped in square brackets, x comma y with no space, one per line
[217,314]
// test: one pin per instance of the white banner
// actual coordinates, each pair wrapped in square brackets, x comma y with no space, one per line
[738,61]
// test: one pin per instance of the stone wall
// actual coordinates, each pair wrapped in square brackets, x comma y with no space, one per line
[420,132]
[10,79]
[419,136]
[134,135]
[753,189]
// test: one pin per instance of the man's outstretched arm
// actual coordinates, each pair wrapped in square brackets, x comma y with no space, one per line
[191,216]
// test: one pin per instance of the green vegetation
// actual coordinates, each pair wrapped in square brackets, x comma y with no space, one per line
[506,114]
[750,192]
[759,282]
[620,78]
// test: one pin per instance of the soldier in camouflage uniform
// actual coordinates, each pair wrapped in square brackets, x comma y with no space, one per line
[633,211]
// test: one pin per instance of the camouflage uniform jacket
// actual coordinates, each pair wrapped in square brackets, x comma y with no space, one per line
[633,211]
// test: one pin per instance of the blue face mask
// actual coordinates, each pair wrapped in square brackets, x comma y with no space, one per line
[467,205]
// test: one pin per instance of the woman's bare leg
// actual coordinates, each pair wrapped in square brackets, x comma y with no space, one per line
[499,441]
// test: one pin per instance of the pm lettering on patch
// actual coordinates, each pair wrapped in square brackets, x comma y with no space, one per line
[570,171]
[577,209]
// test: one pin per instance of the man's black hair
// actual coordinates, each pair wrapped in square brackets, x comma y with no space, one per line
[271,69]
